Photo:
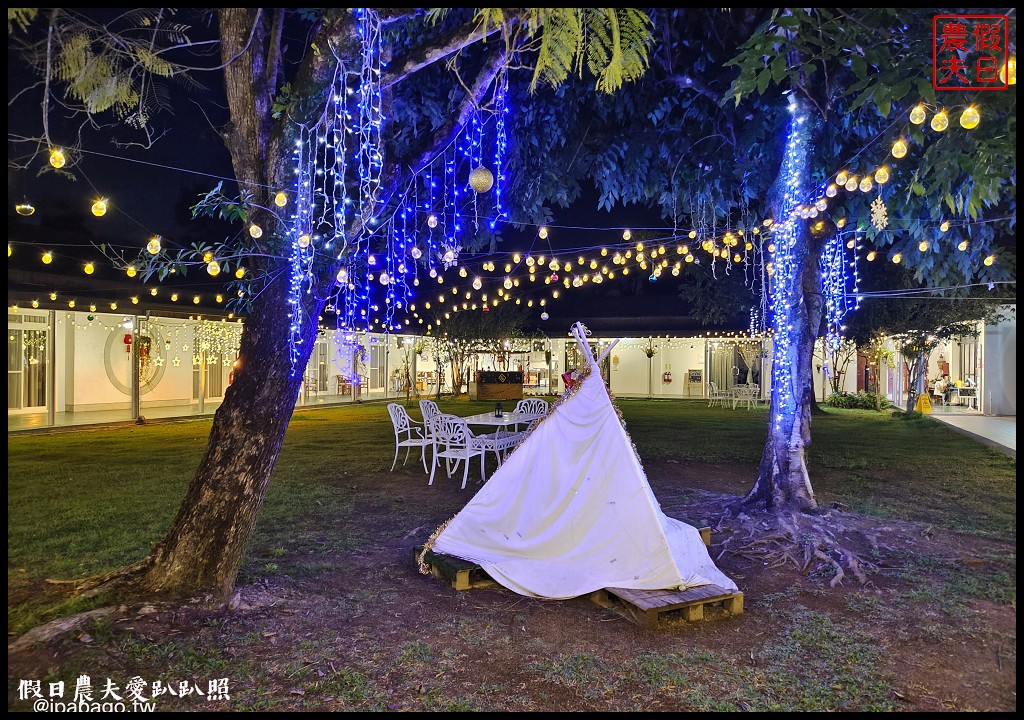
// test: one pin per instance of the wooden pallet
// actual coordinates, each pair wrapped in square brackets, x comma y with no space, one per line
[648,608]
[460,574]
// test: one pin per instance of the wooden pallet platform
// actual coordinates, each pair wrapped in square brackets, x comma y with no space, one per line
[648,608]
[460,574]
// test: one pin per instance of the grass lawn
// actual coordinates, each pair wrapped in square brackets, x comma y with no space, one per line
[86,501]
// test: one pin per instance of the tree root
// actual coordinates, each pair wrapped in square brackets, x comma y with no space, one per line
[814,544]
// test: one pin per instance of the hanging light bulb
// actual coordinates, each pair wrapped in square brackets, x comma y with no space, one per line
[882,175]
[213,268]
[416,253]
[281,198]
[195,300]
[342,276]
[831,190]
[432,221]
[255,231]
[940,121]
[963,245]
[918,115]
[47,257]
[871,256]
[53,296]
[99,208]
[89,268]
[899,148]
[240,272]
[851,183]
[989,260]
[626,235]
[842,177]
[542,233]
[923,246]
[71,303]
[477,283]
[866,184]
[1008,72]
[969,118]
[35,303]
[24,208]
[57,158]
[153,246]
[944,226]
[130,271]
[219,298]
[897,258]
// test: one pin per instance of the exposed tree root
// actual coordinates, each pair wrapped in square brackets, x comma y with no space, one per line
[820,545]
[137,582]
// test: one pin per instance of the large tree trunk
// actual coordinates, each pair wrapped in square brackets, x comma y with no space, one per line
[201,554]
[783,482]
[782,477]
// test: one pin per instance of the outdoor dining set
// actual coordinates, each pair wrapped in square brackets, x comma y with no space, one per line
[740,394]
[450,437]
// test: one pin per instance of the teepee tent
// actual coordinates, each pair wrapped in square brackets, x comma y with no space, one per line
[571,512]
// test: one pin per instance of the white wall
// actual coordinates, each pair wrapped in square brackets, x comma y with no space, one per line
[998,368]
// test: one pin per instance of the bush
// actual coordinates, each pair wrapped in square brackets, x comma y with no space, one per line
[855,401]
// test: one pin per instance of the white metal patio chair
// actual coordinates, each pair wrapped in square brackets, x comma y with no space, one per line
[532,406]
[716,396]
[407,435]
[455,442]
[744,394]
[431,412]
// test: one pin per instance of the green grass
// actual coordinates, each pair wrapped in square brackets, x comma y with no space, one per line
[86,501]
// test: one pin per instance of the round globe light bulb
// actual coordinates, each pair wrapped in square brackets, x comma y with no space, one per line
[969,118]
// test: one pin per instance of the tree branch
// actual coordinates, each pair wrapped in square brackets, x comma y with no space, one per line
[448,44]
[687,82]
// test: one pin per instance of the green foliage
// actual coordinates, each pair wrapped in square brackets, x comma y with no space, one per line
[856,401]
[20,18]
[863,70]
[282,101]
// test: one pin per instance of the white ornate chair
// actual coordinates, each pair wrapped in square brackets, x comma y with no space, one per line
[455,442]
[532,406]
[716,396]
[407,435]
[430,412]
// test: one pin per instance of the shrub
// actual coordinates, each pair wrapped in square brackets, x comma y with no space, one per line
[855,401]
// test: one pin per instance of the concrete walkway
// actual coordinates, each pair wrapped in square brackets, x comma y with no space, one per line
[997,432]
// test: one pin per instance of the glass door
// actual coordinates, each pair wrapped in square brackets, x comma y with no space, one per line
[27,342]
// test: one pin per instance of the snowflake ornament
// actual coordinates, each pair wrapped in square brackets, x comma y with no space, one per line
[879,215]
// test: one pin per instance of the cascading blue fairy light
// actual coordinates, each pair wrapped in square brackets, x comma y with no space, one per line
[784,283]
[500,145]
[834,282]
[371,117]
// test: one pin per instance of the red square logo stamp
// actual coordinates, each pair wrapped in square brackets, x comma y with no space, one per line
[970,52]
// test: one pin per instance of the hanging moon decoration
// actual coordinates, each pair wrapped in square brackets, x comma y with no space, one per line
[481,179]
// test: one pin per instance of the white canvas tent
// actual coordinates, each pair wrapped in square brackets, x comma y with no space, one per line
[571,512]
